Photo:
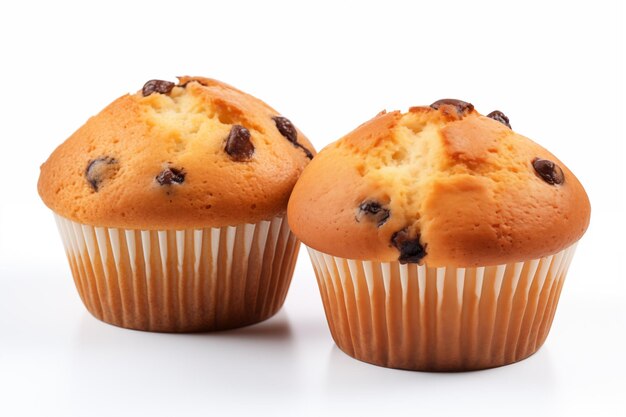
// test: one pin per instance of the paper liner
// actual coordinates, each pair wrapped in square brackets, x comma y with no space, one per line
[181,280]
[440,319]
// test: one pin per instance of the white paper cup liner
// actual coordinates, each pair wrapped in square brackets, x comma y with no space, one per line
[440,319]
[181,280]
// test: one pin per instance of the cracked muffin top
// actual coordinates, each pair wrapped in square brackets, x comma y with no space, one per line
[441,185]
[199,153]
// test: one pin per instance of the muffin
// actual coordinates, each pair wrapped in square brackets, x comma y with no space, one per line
[440,238]
[171,204]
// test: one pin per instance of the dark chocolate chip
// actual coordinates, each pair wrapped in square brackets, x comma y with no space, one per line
[99,170]
[462,107]
[171,176]
[411,250]
[306,151]
[238,144]
[549,171]
[500,117]
[157,86]
[375,211]
[288,130]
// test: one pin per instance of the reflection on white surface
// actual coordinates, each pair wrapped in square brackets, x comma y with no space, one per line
[507,388]
[216,365]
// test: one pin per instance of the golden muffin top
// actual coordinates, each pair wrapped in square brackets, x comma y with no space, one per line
[441,185]
[195,154]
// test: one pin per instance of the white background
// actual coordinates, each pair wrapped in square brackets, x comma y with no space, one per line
[556,69]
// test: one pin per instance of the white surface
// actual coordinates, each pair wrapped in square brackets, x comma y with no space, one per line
[557,70]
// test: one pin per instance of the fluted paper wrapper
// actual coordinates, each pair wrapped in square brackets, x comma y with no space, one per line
[440,319]
[181,280]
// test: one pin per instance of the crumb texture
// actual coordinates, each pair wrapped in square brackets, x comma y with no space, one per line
[459,185]
[159,159]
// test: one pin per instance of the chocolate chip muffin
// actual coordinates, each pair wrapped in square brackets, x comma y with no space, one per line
[440,237]
[171,204]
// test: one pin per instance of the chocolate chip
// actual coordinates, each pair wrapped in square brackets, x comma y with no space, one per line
[411,250]
[500,117]
[157,86]
[171,176]
[462,107]
[238,144]
[306,151]
[549,171]
[99,170]
[288,130]
[375,211]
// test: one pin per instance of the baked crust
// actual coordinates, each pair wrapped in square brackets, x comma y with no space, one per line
[460,183]
[137,138]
